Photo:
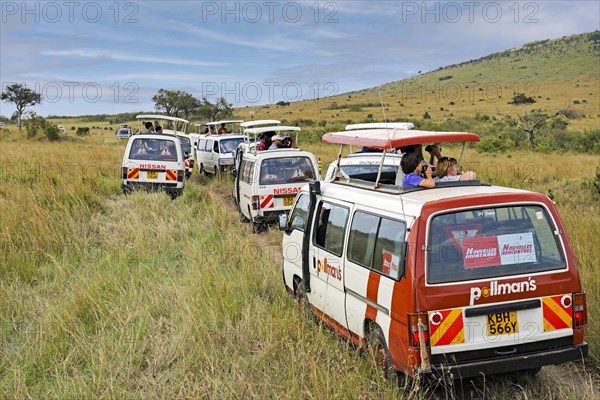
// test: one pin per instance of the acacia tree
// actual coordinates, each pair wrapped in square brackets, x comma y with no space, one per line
[213,112]
[529,123]
[175,103]
[22,97]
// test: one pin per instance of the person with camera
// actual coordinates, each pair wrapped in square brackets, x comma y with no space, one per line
[416,173]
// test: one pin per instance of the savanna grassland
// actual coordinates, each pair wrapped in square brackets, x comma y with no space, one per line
[110,296]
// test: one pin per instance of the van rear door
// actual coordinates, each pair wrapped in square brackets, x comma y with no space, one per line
[498,278]
[281,178]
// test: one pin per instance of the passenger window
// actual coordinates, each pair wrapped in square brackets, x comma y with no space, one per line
[209,144]
[242,170]
[362,238]
[216,147]
[378,243]
[298,218]
[389,248]
[201,144]
[331,226]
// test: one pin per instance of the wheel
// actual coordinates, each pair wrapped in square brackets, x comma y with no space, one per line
[188,174]
[304,304]
[203,170]
[256,227]
[380,353]
[217,172]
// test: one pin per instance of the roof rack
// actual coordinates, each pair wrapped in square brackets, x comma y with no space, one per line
[388,139]
[381,125]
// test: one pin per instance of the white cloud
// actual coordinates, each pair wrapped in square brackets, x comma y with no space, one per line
[119,56]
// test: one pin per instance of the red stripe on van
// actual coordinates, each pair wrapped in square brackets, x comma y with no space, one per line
[372,291]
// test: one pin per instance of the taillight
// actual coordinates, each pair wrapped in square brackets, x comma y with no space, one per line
[416,321]
[180,175]
[256,202]
[191,163]
[579,310]
[123,172]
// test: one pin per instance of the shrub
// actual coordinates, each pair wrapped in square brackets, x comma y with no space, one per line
[83,131]
[52,132]
[34,125]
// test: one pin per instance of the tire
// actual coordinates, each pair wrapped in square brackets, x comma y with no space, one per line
[303,303]
[256,227]
[378,350]
[203,170]
[217,172]
[188,174]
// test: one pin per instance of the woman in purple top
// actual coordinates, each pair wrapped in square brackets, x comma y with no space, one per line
[412,167]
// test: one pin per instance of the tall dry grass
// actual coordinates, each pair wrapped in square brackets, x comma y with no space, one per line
[105,295]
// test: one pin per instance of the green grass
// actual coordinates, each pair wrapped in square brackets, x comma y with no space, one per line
[105,295]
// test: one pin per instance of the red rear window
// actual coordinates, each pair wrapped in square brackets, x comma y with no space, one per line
[492,242]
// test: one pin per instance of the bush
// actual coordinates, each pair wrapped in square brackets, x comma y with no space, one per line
[52,132]
[492,144]
[34,125]
[83,131]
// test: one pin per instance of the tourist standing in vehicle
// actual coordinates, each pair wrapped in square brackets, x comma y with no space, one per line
[276,143]
[149,127]
[266,141]
[447,171]
[223,129]
[159,129]
[412,167]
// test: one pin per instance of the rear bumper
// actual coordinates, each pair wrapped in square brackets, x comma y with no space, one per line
[511,363]
[170,188]
[269,216]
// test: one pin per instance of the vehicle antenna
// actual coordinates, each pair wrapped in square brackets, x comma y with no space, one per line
[382,108]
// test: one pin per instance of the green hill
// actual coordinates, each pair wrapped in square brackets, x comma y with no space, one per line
[559,74]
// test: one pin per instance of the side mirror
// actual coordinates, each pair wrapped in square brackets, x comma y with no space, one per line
[186,155]
[283,222]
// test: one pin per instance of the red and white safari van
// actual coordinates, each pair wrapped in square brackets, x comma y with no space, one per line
[457,281]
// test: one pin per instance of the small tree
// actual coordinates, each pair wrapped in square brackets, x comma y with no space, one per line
[22,97]
[175,103]
[529,123]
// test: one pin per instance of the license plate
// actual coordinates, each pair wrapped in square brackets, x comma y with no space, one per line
[152,175]
[288,201]
[502,323]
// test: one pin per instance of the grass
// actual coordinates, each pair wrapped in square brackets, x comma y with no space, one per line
[104,295]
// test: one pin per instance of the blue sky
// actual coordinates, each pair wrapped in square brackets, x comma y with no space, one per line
[92,57]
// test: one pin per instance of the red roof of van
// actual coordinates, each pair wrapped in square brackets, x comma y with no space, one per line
[392,138]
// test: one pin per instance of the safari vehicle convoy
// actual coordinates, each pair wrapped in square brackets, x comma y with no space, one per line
[457,281]
[266,181]
[156,161]
[214,151]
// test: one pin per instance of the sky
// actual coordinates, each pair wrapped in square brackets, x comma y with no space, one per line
[107,57]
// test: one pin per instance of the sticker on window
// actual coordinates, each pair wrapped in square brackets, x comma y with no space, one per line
[481,252]
[390,264]
[517,248]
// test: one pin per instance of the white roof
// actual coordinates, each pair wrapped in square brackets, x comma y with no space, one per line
[162,117]
[381,125]
[411,202]
[249,124]
[277,128]
[391,138]
[234,121]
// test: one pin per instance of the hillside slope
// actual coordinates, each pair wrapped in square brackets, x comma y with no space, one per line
[558,74]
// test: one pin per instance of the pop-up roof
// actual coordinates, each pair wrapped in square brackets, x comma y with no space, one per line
[392,138]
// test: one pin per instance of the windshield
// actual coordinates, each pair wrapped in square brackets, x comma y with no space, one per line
[369,172]
[153,149]
[123,131]
[277,171]
[491,243]
[228,145]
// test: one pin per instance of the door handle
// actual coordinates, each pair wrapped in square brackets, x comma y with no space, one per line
[314,263]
